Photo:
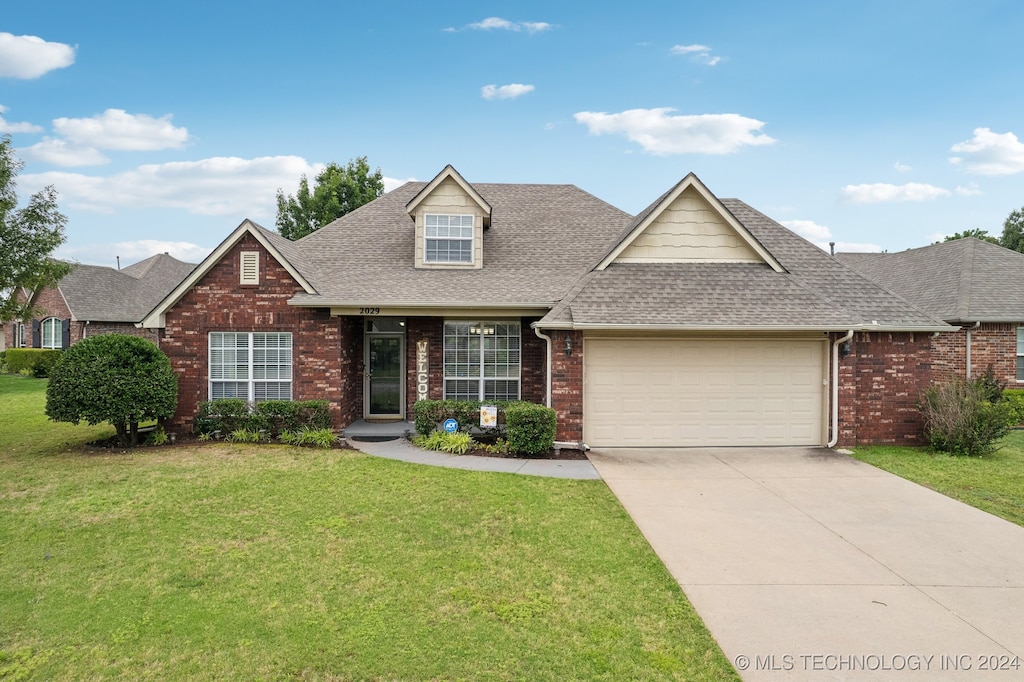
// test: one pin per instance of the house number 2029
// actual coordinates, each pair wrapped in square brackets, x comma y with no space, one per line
[369,311]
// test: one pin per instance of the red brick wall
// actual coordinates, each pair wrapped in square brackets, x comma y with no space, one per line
[50,303]
[567,384]
[325,354]
[881,382]
[992,345]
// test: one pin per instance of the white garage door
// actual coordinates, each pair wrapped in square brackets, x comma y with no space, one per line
[687,392]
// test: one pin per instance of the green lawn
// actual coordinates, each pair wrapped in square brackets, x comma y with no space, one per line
[248,562]
[994,483]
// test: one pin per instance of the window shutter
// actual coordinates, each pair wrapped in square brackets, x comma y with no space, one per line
[37,334]
[65,333]
[250,267]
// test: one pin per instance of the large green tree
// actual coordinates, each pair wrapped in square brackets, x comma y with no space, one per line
[1013,231]
[27,238]
[113,378]
[337,190]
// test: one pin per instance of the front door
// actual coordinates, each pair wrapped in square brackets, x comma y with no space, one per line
[385,371]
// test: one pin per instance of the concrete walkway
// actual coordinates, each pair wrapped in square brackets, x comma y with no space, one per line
[806,564]
[405,451]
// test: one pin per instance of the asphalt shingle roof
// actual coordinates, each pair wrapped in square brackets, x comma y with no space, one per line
[103,294]
[964,280]
[541,238]
[815,291]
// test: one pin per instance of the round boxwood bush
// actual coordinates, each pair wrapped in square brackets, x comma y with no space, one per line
[113,378]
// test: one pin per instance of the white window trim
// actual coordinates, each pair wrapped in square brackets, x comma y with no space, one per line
[471,239]
[250,380]
[481,378]
[19,335]
[249,267]
[57,333]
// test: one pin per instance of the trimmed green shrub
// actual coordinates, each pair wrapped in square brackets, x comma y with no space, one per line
[965,417]
[295,415]
[113,378]
[227,415]
[1014,397]
[429,413]
[530,428]
[35,361]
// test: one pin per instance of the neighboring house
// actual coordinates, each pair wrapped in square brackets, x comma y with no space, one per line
[94,300]
[698,322]
[970,283]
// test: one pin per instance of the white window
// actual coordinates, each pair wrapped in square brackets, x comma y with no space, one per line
[19,335]
[449,238]
[481,360]
[1020,354]
[255,366]
[51,333]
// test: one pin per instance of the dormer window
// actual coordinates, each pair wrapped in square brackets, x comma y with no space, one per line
[448,238]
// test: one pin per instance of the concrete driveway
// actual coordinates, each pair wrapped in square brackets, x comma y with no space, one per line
[806,564]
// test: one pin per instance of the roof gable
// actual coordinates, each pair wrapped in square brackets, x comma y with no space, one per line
[450,183]
[278,247]
[688,224]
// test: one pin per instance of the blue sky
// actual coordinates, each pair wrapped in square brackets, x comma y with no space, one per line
[877,125]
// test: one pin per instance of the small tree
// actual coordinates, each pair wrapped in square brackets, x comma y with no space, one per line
[337,191]
[27,238]
[983,235]
[112,378]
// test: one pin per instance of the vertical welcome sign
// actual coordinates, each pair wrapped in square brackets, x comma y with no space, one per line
[422,370]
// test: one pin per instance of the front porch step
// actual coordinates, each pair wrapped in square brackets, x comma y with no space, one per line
[363,430]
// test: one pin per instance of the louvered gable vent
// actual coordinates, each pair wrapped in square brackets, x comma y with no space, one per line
[250,267]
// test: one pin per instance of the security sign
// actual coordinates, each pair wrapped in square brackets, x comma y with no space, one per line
[451,426]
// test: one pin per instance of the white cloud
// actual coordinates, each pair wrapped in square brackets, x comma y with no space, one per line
[132,252]
[510,91]
[394,183]
[30,56]
[698,53]
[7,127]
[901,167]
[117,129]
[689,49]
[990,153]
[662,134]
[881,192]
[61,153]
[497,23]
[970,190]
[821,237]
[214,186]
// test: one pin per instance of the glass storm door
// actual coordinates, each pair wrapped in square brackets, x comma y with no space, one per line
[384,376]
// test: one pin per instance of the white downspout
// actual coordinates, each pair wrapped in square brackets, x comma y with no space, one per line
[968,368]
[547,341]
[835,387]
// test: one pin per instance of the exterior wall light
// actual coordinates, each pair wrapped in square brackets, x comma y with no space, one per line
[568,346]
[845,348]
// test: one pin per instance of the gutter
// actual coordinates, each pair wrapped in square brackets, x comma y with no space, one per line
[835,388]
[745,328]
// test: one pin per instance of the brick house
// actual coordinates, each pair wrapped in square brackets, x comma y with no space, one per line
[972,284]
[94,300]
[699,321]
